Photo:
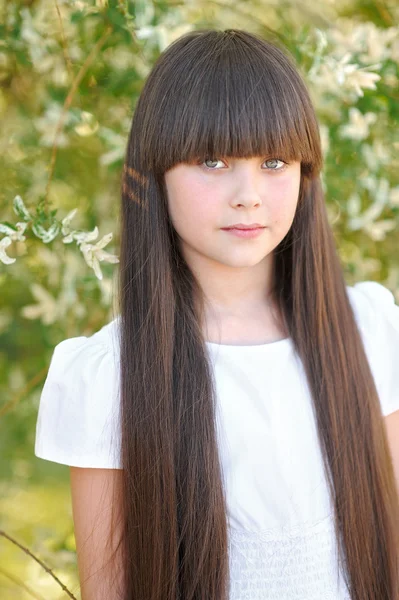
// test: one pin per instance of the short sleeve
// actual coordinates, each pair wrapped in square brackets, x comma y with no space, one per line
[78,416]
[378,317]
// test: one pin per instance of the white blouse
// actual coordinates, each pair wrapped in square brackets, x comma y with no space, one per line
[281,536]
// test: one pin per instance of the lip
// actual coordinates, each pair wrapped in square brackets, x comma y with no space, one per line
[245,233]
[243,226]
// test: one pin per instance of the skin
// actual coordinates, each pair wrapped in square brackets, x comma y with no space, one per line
[235,273]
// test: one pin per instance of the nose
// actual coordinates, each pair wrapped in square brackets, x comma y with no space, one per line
[248,186]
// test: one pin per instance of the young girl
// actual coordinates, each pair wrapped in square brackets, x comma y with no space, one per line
[228,432]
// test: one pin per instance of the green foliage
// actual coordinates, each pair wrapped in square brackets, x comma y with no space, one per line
[70,74]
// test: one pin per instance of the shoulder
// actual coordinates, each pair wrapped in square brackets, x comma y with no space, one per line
[371,297]
[77,422]
[102,343]
[375,310]
[377,316]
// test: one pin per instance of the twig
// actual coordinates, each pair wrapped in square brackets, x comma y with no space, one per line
[34,381]
[82,72]
[64,45]
[47,569]
[384,13]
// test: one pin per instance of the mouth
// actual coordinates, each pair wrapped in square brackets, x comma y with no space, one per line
[244,227]
[244,233]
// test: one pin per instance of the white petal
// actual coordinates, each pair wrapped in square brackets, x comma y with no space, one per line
[104,240]
[6,260]
[65,222]
[4,243]
[96,267]
[110,258]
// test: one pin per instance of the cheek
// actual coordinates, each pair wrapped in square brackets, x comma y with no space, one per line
[191,208]
[203,207]
[282,209]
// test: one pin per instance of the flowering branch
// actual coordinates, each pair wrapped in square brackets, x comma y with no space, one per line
[92,253]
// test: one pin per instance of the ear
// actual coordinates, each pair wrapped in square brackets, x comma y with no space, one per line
[392,428]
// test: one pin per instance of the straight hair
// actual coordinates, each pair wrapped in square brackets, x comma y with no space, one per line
[230,93]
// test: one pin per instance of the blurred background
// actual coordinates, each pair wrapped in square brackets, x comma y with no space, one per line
[70,75]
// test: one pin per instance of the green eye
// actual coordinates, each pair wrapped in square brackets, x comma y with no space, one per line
[277,160]
[210,160]
[201,162]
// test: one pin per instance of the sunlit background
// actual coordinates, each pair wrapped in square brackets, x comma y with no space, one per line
[70,74]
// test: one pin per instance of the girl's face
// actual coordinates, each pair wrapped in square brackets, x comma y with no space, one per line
[205,197]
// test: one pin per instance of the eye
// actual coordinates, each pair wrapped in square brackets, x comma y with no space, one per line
[269,160]
[209,160]
[282,168]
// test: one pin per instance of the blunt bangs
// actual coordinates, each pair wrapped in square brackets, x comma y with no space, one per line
[230,99]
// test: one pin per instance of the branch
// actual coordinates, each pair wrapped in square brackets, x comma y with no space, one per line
[49,571]
[32,383]
[75,84]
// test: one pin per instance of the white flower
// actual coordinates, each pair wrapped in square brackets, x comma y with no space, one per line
[394,196]
[4,243]
[365,39]
[47,307]
[11,236]
[50,309]
[116,142]
[350,76]
[375,155]
[15,236]
[20,208]
[324,138]
[378,42]
[94,253]
[358,126]
[81,236]
[88,125]
[379,229]
[353,205]
[360,78]
[48,123]
[66,221]
[144,14]
[394,53]
[367,221]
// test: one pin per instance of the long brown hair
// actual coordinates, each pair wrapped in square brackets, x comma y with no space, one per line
[227,93]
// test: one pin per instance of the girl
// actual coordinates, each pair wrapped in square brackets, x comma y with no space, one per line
[225,431]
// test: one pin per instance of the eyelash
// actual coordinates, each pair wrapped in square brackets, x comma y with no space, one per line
[283,168]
